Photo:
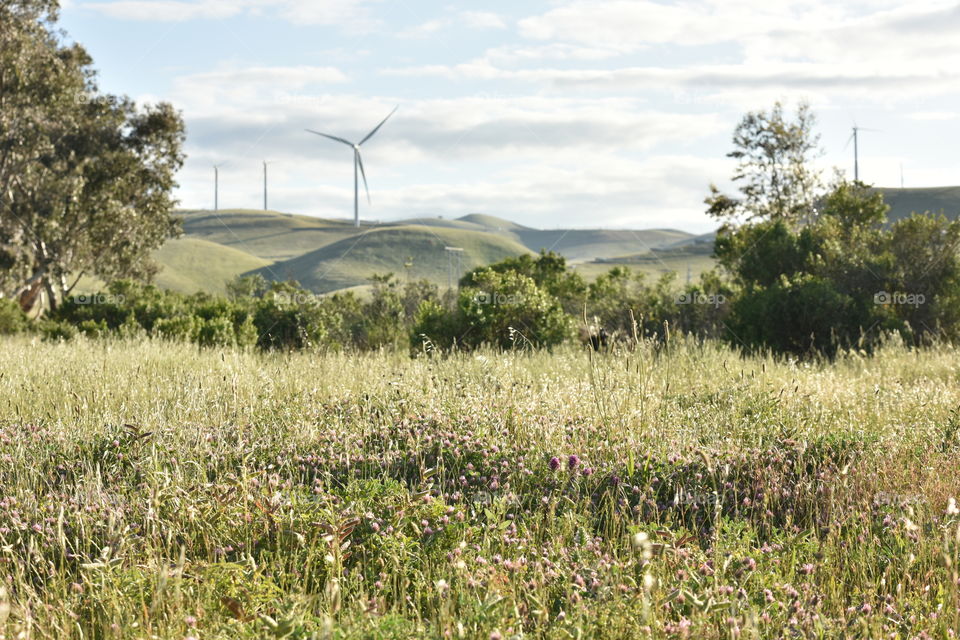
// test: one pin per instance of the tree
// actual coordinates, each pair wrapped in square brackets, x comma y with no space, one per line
[86,177]
[549,271]
[775,177]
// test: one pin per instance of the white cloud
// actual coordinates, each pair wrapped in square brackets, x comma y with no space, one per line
[166,10]
[425,29]
[483,20]
[353,14]
[934,115]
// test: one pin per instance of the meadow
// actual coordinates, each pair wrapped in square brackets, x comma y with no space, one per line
[152,489]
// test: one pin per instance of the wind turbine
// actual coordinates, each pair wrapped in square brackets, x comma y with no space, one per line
[357,164]
[856,150]
[216,186]
[265,163]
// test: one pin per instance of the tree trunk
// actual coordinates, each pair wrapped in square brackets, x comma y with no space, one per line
[52,292]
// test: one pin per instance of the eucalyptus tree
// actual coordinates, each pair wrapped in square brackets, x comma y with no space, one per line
[85,177]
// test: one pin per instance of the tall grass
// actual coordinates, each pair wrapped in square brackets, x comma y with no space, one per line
[151,489]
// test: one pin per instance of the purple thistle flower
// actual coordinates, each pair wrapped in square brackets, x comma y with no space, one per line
[573,462]
[554,463]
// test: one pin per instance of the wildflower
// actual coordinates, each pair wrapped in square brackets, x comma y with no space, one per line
[807,569]
[573,462]
[952,509]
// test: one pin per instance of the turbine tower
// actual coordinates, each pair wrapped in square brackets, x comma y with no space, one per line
[856,150]
[265,163]
[357,164]
[216,186]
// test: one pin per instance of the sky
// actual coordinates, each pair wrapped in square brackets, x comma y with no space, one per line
[566,113]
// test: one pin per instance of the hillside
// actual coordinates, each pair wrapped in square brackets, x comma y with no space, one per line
[265,234]
[351,262]
[193,264]
[327,255]
[582,245]
[903,202]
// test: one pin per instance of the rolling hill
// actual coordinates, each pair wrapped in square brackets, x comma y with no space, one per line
[193,264]
[903,202]
[269,235]
[351,262]
[327,255]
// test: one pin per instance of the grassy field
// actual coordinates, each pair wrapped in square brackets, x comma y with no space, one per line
[154,490]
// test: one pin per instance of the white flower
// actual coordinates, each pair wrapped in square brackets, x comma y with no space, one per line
[952,509]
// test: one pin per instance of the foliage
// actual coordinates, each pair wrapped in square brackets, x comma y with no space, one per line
[774,174]
[496,306]
[85,177]
[548,271]
[844,279]
[12,318]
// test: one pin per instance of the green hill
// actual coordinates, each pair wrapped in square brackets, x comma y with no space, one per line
[581,245]
[903,202]
[266,234]
[193,264]
[491,222]
[351,262]
[326,255]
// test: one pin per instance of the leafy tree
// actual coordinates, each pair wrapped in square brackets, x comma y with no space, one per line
[86,177]
[774,174]
[549,271]
[843,279]
[505,309]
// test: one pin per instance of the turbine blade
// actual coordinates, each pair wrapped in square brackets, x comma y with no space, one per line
[364,174]
[331,137]
[848,142]
[377,128]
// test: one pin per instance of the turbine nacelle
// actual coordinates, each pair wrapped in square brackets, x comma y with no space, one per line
[357,163]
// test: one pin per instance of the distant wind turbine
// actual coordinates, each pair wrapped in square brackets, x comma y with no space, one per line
[216,186]
[265,163]
[357,164]
[856,149]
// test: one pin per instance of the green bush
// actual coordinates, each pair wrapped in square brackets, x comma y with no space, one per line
[12,318]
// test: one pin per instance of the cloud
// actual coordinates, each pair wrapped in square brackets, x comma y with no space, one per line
[482,20]
[353,14]
[166,10]
[934,115]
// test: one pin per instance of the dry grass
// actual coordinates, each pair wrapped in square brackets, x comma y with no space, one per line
[152,489]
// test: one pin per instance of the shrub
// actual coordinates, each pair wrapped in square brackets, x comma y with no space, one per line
[12,318]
